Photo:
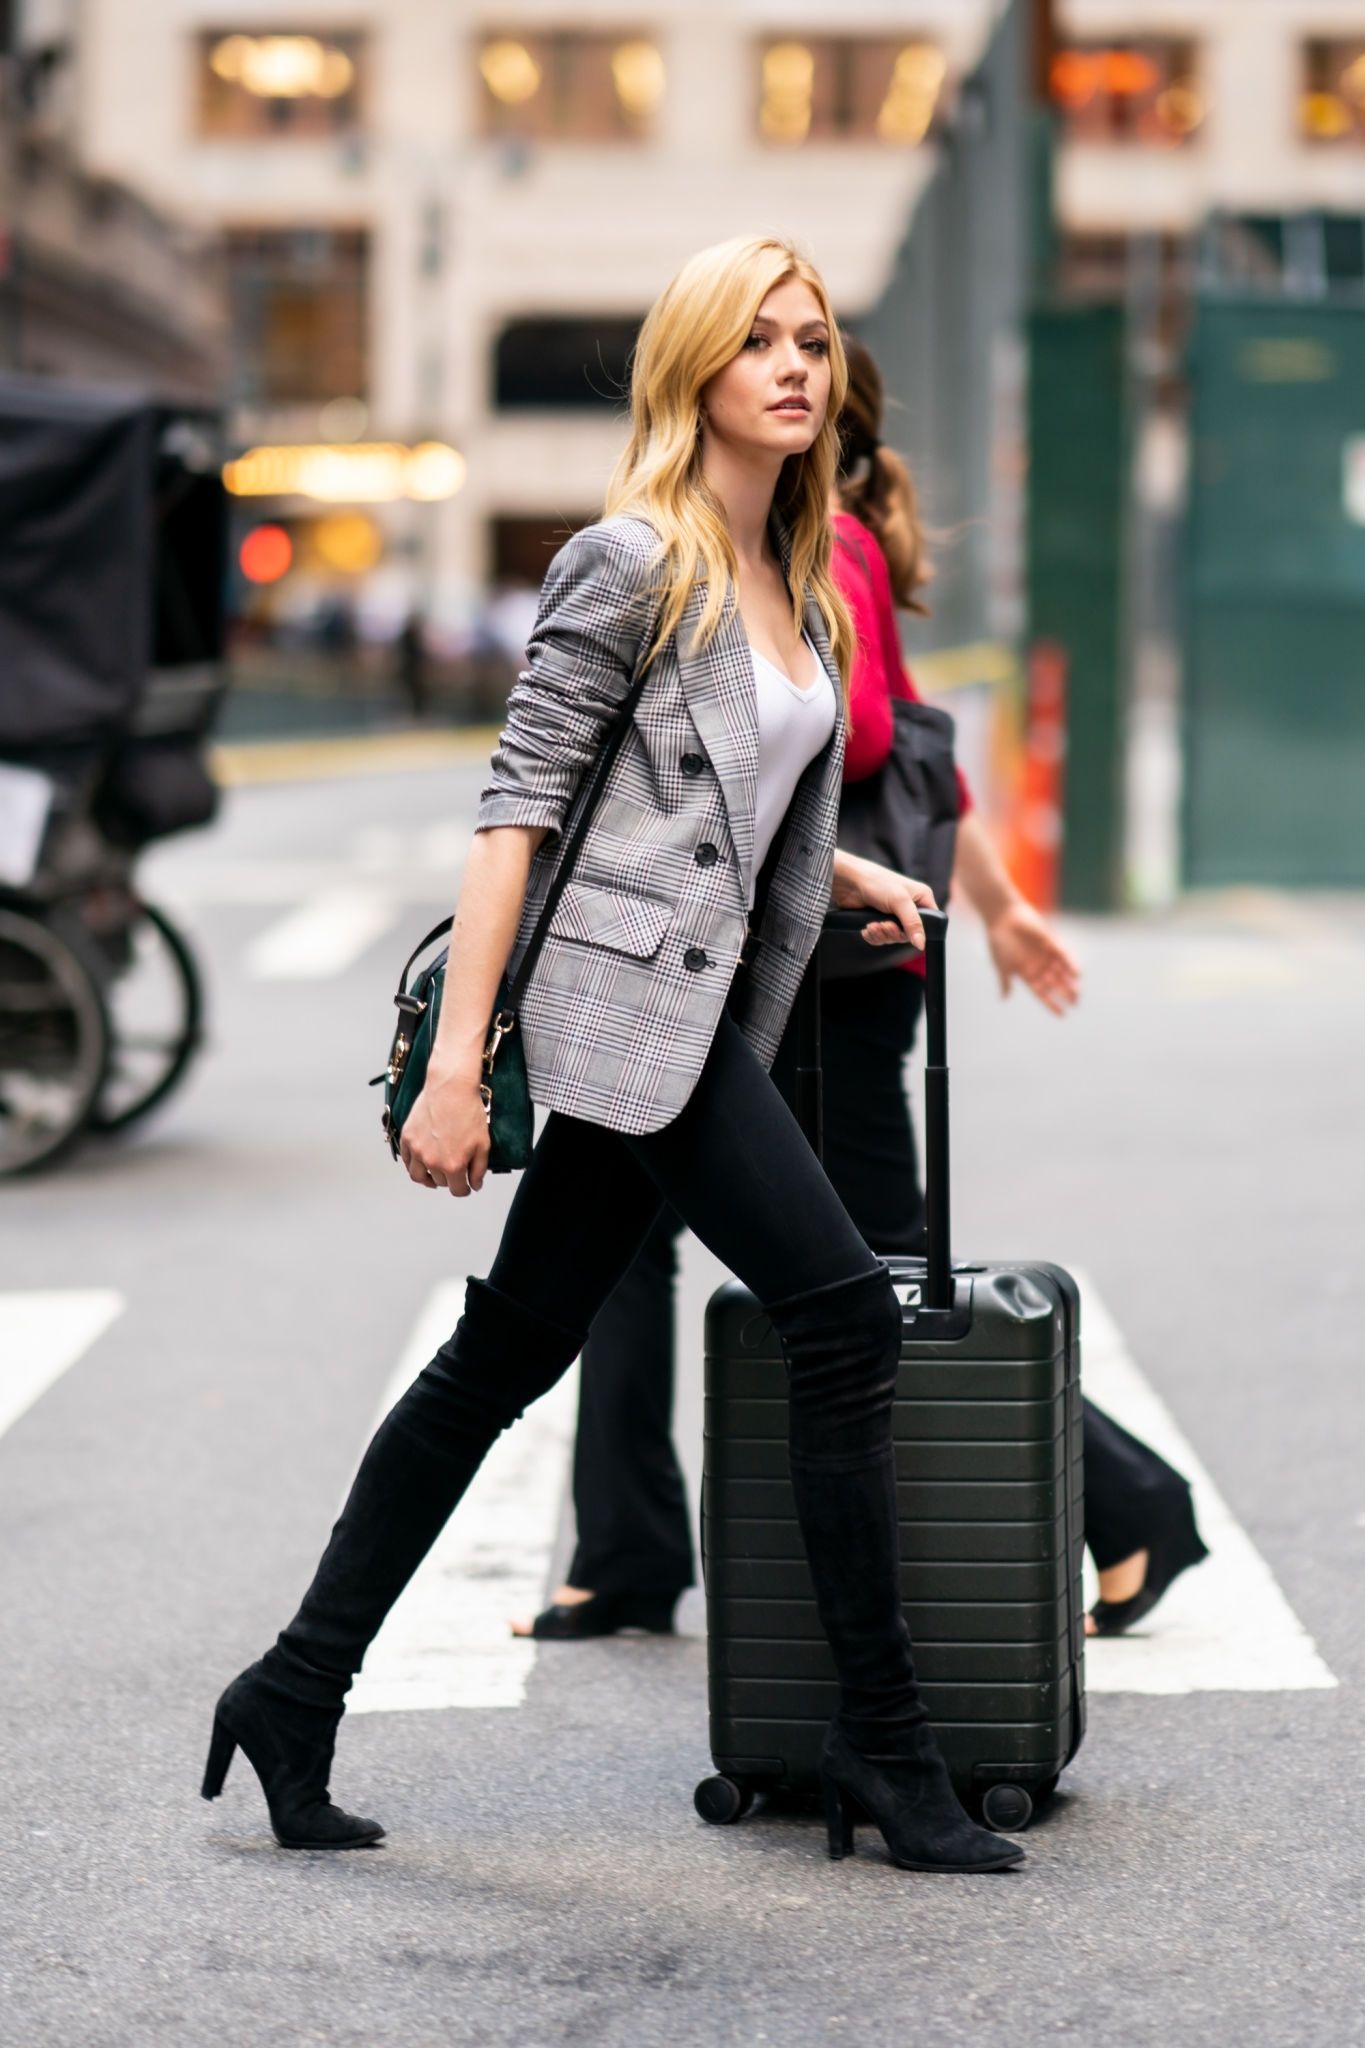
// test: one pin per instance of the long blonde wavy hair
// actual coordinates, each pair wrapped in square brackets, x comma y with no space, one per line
[697,325]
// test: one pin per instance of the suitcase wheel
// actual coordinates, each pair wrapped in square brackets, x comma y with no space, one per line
[722,1800]
[1006,1808]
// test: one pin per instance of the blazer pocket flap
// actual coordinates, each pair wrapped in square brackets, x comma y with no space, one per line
[606,917]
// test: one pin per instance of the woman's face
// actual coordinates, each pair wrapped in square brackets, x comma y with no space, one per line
[772,397]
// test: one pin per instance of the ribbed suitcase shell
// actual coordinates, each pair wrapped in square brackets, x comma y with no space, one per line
[988,1458]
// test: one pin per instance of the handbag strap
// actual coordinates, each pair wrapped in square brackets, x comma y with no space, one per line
[611,747]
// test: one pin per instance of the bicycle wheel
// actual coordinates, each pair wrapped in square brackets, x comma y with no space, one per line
[157,1011]
[54,1036]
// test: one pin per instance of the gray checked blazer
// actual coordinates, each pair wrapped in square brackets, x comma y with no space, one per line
[629,988]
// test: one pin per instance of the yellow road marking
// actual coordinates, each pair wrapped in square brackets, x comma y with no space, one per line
[238,763]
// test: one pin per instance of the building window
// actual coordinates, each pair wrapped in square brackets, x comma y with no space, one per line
[1100,265]
[848,89]
[292,85]
[297,300]
[563,365]
[1332,100]
[520,550]
[1145,91]
[571,86]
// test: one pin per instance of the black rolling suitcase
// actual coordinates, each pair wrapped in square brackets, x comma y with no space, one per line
[988,1460]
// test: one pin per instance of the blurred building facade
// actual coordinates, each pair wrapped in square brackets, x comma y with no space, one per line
[98,284]
[440,223]
[444,223]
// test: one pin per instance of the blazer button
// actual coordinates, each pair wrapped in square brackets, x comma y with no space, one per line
[695,959]
[692,764]
[706,855]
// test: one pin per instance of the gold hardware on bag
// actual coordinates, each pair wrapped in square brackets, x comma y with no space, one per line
[398,1059]
[503,1022]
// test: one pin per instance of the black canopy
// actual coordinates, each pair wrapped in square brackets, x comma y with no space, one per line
[75,560]
[111,556]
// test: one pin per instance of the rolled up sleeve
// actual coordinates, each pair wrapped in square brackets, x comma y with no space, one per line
[596,608]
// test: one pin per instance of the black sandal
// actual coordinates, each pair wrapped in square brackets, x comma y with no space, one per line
[604,1614]
[1165,1563]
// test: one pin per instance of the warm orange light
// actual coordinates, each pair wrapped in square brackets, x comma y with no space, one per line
[282,67]
[908,109]
[347,472]
[1077,75]
[348,541]
[1180,108]
[788,85]
[510,72]
[1126,73]
[1352,81]
[637,72]
[265,554]
[1324,115]
[1074,78]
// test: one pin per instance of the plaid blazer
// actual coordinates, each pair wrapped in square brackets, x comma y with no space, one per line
[628,991]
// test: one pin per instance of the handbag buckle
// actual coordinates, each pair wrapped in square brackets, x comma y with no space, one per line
[504,1021]
[398,1059]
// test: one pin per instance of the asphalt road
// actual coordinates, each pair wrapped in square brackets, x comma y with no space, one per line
[1194,1138]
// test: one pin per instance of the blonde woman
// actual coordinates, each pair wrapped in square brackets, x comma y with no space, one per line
[650,1021]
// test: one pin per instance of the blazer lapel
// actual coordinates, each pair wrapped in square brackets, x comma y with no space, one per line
[722,697]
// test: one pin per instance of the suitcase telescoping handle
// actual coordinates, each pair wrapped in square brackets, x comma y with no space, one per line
[938,1287]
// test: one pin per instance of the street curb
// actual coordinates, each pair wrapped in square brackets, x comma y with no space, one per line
[237,764]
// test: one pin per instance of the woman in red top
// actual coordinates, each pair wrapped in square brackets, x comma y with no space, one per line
[1139,1520]
[634,1555]
[868,1024]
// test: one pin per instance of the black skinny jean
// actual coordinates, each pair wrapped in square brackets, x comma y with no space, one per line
[736,1166]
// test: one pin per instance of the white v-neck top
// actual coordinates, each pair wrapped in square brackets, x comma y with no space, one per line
[794,725]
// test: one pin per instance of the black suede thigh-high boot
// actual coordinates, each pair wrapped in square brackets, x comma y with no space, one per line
[284,1710]
[841,1344]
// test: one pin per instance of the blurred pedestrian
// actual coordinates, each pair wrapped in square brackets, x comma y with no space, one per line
[670,965]
[412,662]
[634,1554]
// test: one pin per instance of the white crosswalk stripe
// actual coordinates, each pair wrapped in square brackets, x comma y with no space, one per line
[447,1642]
[322,937]
[1223,1627]
[42,1334]
[330,911]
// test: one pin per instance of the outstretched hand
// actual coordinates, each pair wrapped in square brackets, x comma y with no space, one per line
[1024,947]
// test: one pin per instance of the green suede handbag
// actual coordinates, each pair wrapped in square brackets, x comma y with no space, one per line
[504,1086]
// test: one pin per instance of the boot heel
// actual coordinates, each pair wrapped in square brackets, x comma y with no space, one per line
[838,1820]
[220,1756]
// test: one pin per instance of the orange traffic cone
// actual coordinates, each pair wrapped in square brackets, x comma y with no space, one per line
[1034,855]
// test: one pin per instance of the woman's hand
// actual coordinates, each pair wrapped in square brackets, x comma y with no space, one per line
[445,1134]
[863,885]
[1023,945]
